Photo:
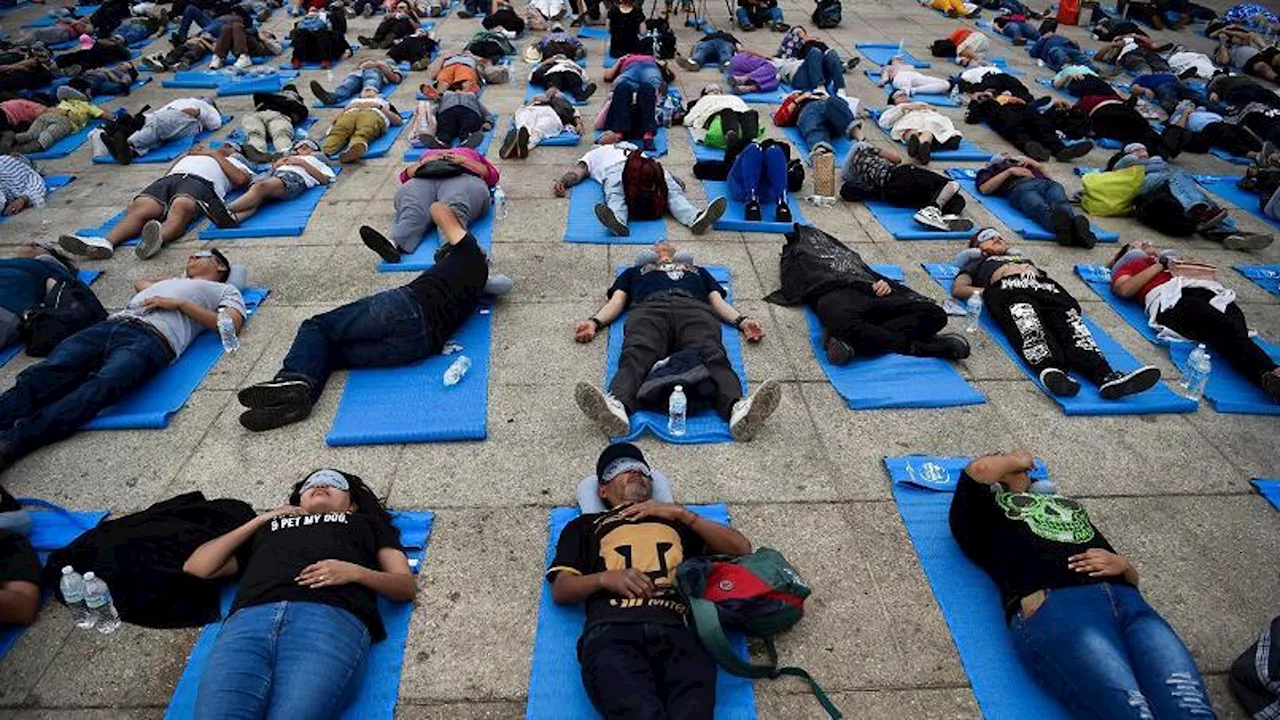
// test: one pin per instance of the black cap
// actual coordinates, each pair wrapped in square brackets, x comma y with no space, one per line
[617,451]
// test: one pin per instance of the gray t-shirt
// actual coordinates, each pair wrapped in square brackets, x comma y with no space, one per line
[177,327]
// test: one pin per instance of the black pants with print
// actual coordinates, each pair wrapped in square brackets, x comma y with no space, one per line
[1044,325]
[647,671]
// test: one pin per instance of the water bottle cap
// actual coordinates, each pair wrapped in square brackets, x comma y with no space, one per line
[89,575]
[67,570]
[680,388]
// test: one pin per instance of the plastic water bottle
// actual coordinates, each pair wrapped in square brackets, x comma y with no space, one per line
[955,94]
[73,587]
[454,374]
[41,206]
[97,597]
[973,311]
[499,203]
[328,76]
[677,409]
[1196,376]
[227,331]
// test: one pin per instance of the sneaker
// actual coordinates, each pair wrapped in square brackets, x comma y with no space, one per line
[151,243]
[955,223]
[851,63]
[155,62]
[709,216]
[1019,41]
[295,63]
[275,404]
[217,212]
[94,248]
[259,157]
[603,409]
[508,149]
[354,152]
[688,64]
[215,63]
[838,351]
[522,143]
[1059,383]
[824,173]
[1246,241]
[1084,236]
[924,153]
[1063,227]
[322,95]
[465,14]
[611,221]
[498,284]
[931,217]
[1036,151]
[1118,385]
[913,146]
[1072,151]
[947,346]
[749,413]
[752,211]
[472,140]
[118,147]
[244,62]
[587,92]
[379,243]
[782,211]
[428,140]
[1270,383]
[367,10]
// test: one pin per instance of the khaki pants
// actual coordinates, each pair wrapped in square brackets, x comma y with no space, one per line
[260,125]
[352,127]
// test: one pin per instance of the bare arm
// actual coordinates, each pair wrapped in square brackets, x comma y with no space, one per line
[993,184]
[314,172]
[610,73]
[571,177]
[209,318]
[216,558]
[140,285]
[1127,287]
[394,579]
[990,468]
[722,309]
[720,539]
[238,177]
[612,308]
[19,602]
[392,117]
[962,287]
[890,155]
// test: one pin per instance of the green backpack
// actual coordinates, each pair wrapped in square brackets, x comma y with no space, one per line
[758,594]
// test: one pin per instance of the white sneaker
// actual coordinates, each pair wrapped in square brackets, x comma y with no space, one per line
[151,241]
[215,63]
[244,62]
[750,412]
[94,248]
[603,409]
[931,217]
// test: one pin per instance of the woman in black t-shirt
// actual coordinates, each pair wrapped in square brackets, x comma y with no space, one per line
[624,29]
[1076,618]
[307,607]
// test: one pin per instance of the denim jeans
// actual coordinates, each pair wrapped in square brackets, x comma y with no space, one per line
[757,172]
[712,52]
[677,204]
[1015,30]
[768,16]
[1169,95]
[821,120]
[160,127]
[1059,55]
[633,109]
[202,20]
[283,659]
[354,83]
[819,70]
[84,374]
[1103,652]
[1038,199]
[647,671]
[1182,186]
[132,32]
[385,329]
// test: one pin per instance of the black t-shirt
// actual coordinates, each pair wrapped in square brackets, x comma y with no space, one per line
[981,269]
[624,32]
[279,551]
[450,290]
[1023,540]
[604,541]
[641,281]
[18,561]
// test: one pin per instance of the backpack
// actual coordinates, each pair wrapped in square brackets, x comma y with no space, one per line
[644,185]
[827,14]
[1111,193]
[758,594]
[659,41]
[69,307]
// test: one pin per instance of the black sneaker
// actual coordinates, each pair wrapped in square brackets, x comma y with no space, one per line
[508,149]
[118,145]
[838,351]
[752,211]
[587,92]
[913,147]
[217,211]
[1036,151]
[1063,227]
[273,416]
[611,221]
[782,211]
[259,157]
[1059,383]
[322,95]
[473,140]
[947,346]
[708,217]
[1084,232]
[925,153]
[379,243]
[1118,385]
[1073,151]
[281,391]
[522,143]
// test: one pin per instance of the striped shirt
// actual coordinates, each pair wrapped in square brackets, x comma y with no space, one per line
[19,179]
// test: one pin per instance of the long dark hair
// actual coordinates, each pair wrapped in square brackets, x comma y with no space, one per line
[367,503]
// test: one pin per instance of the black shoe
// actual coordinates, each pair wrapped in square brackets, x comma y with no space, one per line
[281,391]
[1059,383]
[1063,227]
[587,92]
[947,346]
[118,145]
[1118,385]
[365,40]
[1084,232]
[1036,151]
[838,351]
[522,143]
[1073,151]
[379,243]
[322,95]
[431,141]
[611,221]
[1019,41]
[8,503]
[217,211]
[258,157]
[473,140]
[913,147]
[752,212]
[271,417]
[508,149]
[925,153]
[782,211]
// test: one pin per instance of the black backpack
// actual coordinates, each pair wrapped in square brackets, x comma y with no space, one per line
[827,14]
[69,307]
[659,41]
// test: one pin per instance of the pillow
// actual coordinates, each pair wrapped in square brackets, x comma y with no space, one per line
[238,277]
[589,499]
[1111,194]
[966,256]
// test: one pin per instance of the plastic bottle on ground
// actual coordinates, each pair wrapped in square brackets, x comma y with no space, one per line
[73,586]
[227,331]
[973,311]
[457,370]
[98,599]
[677,410]
[1196,376]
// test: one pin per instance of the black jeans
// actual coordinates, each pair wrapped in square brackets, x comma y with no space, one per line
[1043,324]
[1224,136]
[456,123]
[878,325]
[1019,124]
[1122,123]
[660,326]
[566,82]
[1224,333]
[647,671]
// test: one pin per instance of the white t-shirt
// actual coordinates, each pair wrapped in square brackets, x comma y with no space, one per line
[975,74]
[314,162]
[209,169]
[210,119]
[176,326]
[600,159]
[541,121]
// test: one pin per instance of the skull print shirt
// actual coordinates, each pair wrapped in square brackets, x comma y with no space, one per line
[1023,540]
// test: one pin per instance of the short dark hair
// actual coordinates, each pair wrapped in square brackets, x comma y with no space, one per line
[224,265]
[367,503]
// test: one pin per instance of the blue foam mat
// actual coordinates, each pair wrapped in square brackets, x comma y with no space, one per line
[51,184]
[375,687]
[935,100]
[1266,277]
[1269,489]
[415,153]
[410,404]
[555,683]
[316,66]
[583,227]
[150,406]
[966,152]
[102,230]
[287,218]
[101,98]
[531,91]
[766,97]
[1230,392]
[840,145]
[168,151]
[1224,186]
[735,219]
[381,145]
[1048,83]
[882,53]
[705,426]
[661,143]
[12,351]
[1233,159]
[969,601]
[901,225]
[1011,216]
[423,256]
[387,89]
[261,84]
[594,33]
[892,381]
[1157,400]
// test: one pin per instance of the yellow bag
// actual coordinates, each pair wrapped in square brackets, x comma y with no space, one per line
[1111,194]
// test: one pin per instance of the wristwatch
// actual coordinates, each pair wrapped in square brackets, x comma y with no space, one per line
[596,321]
[739,320]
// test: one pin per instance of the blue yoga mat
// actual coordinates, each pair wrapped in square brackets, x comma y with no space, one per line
[1266,277]
[276,219]
[387,89]
[1224,186]
[892,381]
[1011,216]
[376,685]
[704,427]
[423,256]
[840,145]
[260,84]
[66,145]
[202,79]
[381,145]
[935,100]
[1158,400]
[6,354]
[901,225]
[316,65]
[51,183]
[735,219]
[583,227]
[1048,83]
[531,91]
[168,151]
[594,33]
[299,131]
[51,529]
[766,97]
[150,406]
[969,601]
[102,230]
[410,404]
[1233,159]
[660,142]
[1230,392]
[1269,489]
[883,53]
[555,682]
[415,153]
[108,97]
[967,152]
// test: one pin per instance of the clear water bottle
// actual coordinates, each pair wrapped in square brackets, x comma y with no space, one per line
[955,94]
[1196,376]
[973,311]
[41,206]
[73,587]
[677,411]
[98,599]
[328,76]
[499,203]
[454,374]
[227,331]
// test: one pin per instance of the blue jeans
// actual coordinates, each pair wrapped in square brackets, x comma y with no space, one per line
[354,83]
[1103,652]
[1182,186]
[761,18]
[84,374]
[195,15]
[1169,95]
[1015,30]
[712,52]
[132,32]
[633,110]
[1038,199]
[284,659]
[819,70]
[386,329]
[757,172]
[821,120]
